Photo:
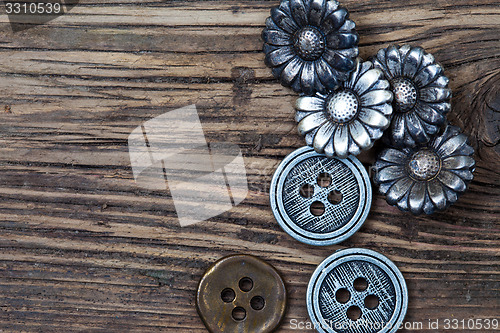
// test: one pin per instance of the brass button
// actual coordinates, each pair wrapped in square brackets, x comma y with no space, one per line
[241,293]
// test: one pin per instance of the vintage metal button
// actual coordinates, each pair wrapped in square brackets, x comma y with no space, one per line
[241,293]
[357,290]
[350,118]
[310,45]
[320,200]
[421,94]
[428,178]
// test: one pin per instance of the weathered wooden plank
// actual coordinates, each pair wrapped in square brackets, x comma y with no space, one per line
[84,249]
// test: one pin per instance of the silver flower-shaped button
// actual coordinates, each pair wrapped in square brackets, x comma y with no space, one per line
[421,94]
[310,45]
[427,178]
[349,119]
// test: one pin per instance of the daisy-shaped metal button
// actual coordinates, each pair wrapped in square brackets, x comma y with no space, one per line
[320,200]
[427,178]
[357,290]
[421,94]
[350,118]
[310,44]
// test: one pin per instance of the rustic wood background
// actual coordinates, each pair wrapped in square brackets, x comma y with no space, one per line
[85,249]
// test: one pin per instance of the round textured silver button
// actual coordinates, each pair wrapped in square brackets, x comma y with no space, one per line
[357,290]
[320,200]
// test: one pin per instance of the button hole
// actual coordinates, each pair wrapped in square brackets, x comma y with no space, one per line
[228,295]
[257,303]
[342,295]
[324,179]
[246,284]
[354,313]
[239,314]
[371,302]
[360,284]
[306,191]
[317,208]
[335,197]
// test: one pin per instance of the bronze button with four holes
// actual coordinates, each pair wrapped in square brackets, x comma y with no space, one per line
[241,293]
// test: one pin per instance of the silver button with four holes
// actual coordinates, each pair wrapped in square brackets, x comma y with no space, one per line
[320,200]
[357,291]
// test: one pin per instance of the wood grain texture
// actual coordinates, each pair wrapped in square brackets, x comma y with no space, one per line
[84,249]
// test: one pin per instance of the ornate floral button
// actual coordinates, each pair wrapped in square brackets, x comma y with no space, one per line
[310,45]
[241,293]
[429,177]
[421,94]
[357,290]
[350,118]
[320,200]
